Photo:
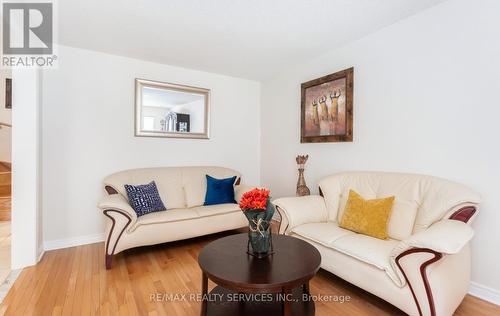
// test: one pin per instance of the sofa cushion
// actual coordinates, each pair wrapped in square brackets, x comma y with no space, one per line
[144,198]
[195,183]
[323,233]
[219,191]
[402,218]
[180,187]
[373,251]
[218,209]
[182,214]
[367,217]
[420,200]
[168,181]
[367,249]
[404,212]
[172,215]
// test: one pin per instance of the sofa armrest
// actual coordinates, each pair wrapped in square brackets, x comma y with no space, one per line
[295,211]
[446,236]
[240,189]
[445,241]
[121,216]
[118,203]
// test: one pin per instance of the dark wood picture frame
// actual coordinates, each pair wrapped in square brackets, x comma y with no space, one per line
[8,93]
[348,74]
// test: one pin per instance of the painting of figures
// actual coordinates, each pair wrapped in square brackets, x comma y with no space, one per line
[326,110]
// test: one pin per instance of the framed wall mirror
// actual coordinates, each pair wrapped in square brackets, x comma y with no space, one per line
[171,110]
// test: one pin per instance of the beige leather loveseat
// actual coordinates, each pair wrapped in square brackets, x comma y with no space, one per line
[424,268]
[182,189]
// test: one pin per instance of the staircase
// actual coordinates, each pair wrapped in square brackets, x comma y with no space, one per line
[5,191]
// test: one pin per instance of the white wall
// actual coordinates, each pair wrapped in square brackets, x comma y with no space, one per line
[425,100]
[88,133]
[5,117]
[26,168]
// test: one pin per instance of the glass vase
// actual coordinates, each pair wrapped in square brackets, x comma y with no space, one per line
[259,230]
[260,242]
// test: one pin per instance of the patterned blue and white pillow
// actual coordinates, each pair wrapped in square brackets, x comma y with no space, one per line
[144,198]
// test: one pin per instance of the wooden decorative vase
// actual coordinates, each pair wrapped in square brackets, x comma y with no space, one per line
[302,188]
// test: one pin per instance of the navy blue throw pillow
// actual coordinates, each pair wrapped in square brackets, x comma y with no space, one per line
[219,191]
[144,198]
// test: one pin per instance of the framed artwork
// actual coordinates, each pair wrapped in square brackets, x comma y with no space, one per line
[327,108]
[8,93]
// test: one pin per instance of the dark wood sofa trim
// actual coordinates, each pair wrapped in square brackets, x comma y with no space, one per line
[423,274]
[464,214]
[110,190]
[109,256]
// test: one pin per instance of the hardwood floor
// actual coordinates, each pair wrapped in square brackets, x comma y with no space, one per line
[4,251]
[73,281]
[5,208]
[5,167]
[5,192]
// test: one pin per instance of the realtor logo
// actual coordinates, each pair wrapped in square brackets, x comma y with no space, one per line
[28,34]
[27,28]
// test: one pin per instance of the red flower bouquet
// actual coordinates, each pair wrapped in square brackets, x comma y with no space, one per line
[255,199]
[259,210]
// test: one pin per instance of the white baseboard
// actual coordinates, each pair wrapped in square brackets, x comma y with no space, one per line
[40,256]
[485,293]
[72,242]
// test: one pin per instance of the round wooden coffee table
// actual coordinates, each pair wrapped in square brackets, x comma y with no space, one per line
[275,285]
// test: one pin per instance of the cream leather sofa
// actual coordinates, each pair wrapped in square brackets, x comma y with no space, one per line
[182,189]
[424,268]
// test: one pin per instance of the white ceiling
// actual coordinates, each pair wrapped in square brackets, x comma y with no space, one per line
[251,39]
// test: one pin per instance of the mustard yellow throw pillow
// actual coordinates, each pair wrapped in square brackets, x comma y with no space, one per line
[368,217]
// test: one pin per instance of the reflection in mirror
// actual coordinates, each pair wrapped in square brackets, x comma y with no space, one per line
[168,110]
